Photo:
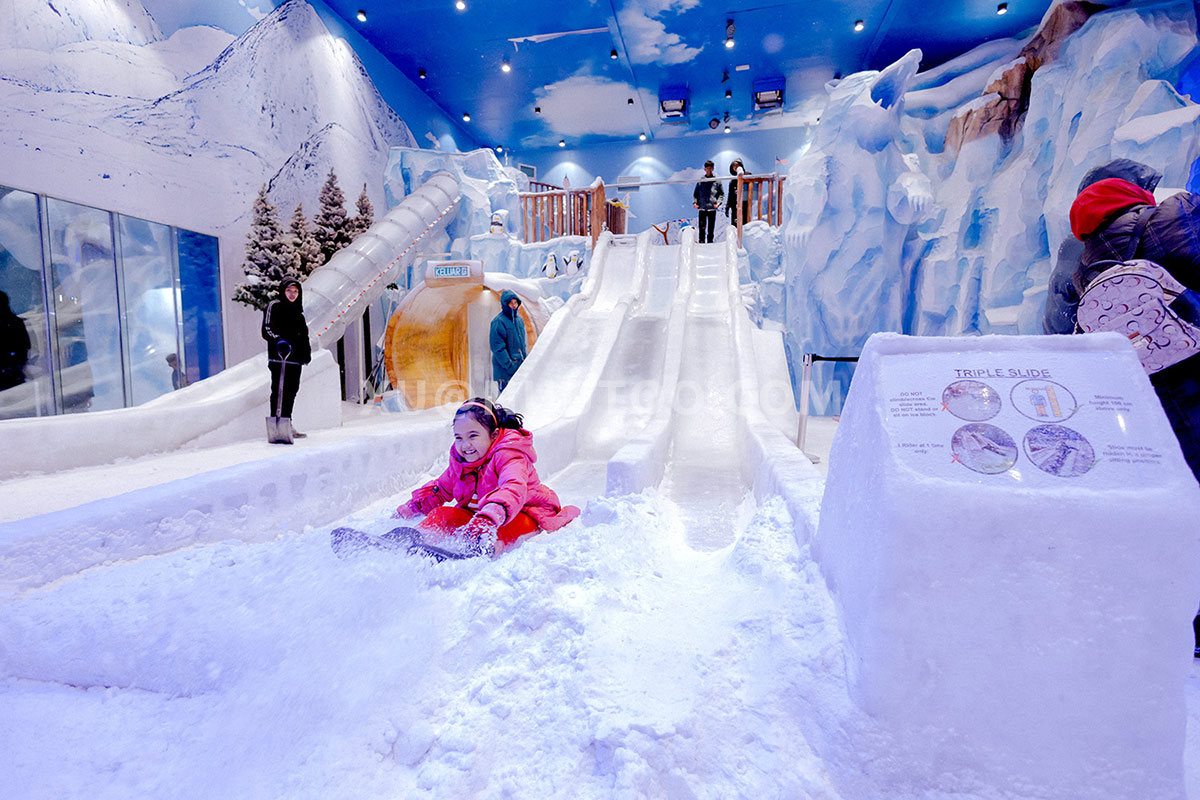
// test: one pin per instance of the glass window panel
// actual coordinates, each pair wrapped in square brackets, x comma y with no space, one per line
[200,292]
[25,387]
[83,284]
[150,327]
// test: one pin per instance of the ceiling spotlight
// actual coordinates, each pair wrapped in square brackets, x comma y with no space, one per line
[629,102]
[728,93]
[421,74]
[505,66]
[729,44]
[562,142]
[1002,9]
[537,109]
[466,117]
[728,129]
[499,148]
[461,5]
[362,15]
[714,123]
[613,54]
[642,136]
[729,30]
[859,25]
[725,76]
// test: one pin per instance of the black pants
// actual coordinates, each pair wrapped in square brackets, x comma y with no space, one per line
[281,405]
[1178,389]
[708,222]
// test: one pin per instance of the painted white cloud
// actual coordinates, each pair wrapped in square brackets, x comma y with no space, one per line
[586,104]
[646,38]
[256,11]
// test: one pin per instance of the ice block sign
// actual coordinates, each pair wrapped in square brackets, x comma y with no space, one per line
[1035,416]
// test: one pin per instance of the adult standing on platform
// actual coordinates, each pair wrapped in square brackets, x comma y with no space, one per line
[707,197]
[288,350]
[736,168]
[507,339]
[14,346]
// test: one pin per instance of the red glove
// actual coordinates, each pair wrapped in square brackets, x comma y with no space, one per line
[424,500]
[480,534]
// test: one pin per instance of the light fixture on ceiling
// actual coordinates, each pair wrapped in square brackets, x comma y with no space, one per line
[466,117]
[714,123]
[499,148]
[613,54]
[505,66]
[421,74]
[1002,9]
[859,25]
[461,5]
[673,103]
[768,94]
[537,109]
[629,101]
[725,76]
[727,128]
[729,31]
[728,93]
[642,136]
[362,15]
[562,142]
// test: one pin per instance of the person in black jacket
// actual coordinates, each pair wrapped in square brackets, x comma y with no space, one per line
[288,348]
[737,168]
[14,346]
[707,196]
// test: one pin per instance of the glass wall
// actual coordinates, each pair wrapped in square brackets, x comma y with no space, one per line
[103,300]
[25,386]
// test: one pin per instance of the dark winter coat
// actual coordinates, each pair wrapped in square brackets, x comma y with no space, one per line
[507,339]
[733,193]
[708,194]
[14,346]
[1104,225]
[283,321]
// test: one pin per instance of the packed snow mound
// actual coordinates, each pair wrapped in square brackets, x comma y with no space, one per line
[627,664]
[42,25]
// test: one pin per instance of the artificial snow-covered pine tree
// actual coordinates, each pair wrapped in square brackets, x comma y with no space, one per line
[366,214]
[306,249]
[269,256]
[331,223]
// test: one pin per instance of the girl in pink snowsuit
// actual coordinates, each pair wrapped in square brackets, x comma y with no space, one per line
[491,480]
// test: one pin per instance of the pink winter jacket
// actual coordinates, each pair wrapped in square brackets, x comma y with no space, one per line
[505,475]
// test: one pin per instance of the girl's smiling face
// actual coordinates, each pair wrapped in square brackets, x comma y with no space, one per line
[471,439]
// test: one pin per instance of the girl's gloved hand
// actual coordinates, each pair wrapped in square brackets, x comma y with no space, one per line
[480,534]
[424,500]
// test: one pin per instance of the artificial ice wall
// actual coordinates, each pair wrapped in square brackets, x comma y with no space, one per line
[931,203]
[181,121]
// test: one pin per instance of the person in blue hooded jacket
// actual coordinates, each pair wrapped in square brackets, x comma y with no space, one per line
[507,339]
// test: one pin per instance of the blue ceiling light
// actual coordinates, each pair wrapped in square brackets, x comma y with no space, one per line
[362,15]
[562,142]
[613,54]
[1002,9]
[505,66]
[421,74]
[642,136]
[466,117]
[859,25]
[461,5]
[730,28]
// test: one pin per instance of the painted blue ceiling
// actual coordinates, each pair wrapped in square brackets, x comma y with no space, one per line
[584,95]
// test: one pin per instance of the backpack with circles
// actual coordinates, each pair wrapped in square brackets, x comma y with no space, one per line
[1140,300]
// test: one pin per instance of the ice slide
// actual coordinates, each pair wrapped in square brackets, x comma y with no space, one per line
[654,376]
[230,406]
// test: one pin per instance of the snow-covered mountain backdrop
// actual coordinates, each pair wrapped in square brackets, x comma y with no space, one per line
[101,108]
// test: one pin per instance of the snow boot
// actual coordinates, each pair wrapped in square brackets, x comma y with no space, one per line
[295,433]
[279,430]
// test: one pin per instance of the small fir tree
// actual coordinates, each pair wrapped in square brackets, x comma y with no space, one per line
[365,217]
[331,226]
[269,256]
[305,247]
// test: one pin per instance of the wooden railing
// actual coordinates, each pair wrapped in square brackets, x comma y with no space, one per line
[554,211]
[759,197]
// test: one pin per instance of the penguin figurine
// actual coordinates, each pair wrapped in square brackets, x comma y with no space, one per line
[550,266]
[572,263]
[497,224]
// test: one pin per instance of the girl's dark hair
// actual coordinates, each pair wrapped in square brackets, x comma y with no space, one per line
[490,416]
